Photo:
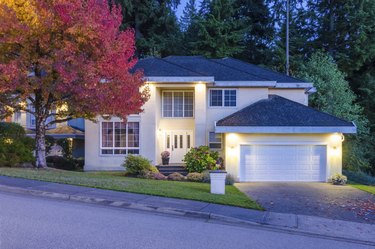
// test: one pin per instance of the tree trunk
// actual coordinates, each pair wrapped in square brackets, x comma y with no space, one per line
[40,142]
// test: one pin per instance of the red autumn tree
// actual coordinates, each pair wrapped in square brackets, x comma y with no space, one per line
[66,59]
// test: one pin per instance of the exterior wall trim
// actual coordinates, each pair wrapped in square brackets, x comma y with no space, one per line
[286,129]
[163,79]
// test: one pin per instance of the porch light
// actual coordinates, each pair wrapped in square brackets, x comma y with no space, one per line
[200,87]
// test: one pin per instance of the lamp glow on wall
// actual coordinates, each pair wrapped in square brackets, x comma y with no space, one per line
[200,87]
[232,140]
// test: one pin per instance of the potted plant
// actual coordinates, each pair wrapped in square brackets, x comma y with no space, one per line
[165,157]
[217,178]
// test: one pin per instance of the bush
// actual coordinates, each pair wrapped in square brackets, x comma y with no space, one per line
[176,177]
[59,162]
[11,130]
[206,176]
[338,179]
[14,152]
[200,158]
[195,177]
[360,177]
[138,165]
[153,175]
[15,147]
[229,180]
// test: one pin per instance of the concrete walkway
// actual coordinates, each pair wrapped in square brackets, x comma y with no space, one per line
[343,230]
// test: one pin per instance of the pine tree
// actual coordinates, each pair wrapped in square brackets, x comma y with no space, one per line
[155,24]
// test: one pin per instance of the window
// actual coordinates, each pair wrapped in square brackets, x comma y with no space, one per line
[214,140]
[119,138]
[223,97]
[178,104]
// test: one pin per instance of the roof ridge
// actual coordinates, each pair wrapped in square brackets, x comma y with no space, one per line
[313,109]
[265,68]
[237,68]
[175,64]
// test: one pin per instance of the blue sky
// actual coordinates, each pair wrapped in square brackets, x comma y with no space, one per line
[180,8]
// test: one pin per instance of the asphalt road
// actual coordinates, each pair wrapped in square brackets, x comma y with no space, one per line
[31,222]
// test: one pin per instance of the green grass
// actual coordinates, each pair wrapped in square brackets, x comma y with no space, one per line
[367,188]
[117,181]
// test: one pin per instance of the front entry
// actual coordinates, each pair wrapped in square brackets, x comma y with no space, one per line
[178,144]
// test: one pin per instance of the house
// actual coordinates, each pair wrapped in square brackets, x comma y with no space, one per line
[258,119]
[72,129]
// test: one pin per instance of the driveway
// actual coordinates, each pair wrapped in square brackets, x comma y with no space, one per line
[316,199]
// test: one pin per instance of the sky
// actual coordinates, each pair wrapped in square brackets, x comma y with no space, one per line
[180,8]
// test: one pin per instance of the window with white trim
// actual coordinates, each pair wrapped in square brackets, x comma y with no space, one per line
[178,104]
[119,138]
[215,140]
[223,97]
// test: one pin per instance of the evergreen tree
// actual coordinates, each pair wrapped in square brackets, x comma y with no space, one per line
[335,97]
[259,30]
[219,32]
[155,24]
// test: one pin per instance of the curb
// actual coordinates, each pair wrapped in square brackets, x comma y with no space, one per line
[177,212]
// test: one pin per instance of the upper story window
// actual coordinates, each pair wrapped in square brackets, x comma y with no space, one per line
[178,104]
[118,138]
[223,97]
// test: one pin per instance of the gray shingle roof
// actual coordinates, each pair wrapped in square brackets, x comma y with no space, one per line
[279,111]
[225,69]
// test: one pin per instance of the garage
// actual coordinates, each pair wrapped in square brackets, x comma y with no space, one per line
[283,163]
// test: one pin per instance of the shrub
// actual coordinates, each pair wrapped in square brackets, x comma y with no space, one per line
[200,158]
[229,180]
[11,130]
[59,162]
[15,147]
[338,179]
[14,152]
[153,175]
[137,165]
[360,177]
[206,176]
[195,177]
[176,177]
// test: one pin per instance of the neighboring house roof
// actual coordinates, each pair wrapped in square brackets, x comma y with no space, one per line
[276,111]
[225,69]
[63,131]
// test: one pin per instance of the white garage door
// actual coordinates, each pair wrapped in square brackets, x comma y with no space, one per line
[283,163]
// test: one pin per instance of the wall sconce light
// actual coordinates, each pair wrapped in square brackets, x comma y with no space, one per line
[232,140]
[337,139]
[200,87]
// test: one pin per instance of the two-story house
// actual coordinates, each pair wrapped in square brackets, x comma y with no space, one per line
[258,119]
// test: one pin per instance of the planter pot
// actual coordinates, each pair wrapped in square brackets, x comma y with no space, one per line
[165,161]
[218,181]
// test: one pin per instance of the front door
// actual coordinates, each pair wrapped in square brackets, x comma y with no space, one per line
[178,144]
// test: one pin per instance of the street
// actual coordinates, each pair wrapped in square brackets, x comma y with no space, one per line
[31,222]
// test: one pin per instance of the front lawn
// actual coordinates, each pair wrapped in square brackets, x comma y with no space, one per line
[116,181]
[367,188]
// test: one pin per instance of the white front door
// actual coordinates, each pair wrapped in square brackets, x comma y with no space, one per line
[178,144]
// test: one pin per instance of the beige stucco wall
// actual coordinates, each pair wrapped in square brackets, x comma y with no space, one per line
[297,95]
[235,140]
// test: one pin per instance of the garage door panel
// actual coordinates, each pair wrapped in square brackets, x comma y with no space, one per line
[283,163]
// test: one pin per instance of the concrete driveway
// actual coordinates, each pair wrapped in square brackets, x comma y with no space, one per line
[316,199]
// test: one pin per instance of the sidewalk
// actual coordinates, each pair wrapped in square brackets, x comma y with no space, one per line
[310,225]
